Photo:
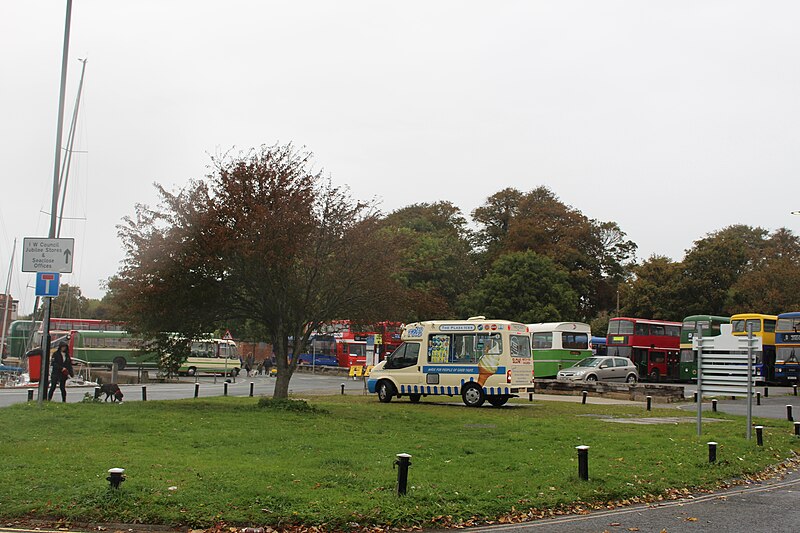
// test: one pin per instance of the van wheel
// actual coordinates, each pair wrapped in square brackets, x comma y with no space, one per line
[497,401]
[385,391]
[415,398]
[120,361]
[472,395]
[631,378]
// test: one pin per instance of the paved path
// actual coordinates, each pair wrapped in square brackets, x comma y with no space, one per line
[769,506]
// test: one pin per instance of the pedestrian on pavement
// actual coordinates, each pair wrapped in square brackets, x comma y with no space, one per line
[62,369]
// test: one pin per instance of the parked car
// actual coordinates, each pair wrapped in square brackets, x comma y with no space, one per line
[600,369]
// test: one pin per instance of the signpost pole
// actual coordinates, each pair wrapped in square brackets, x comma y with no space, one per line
[699,338]
[749,380]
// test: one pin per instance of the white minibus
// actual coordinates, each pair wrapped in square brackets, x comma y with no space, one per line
[478,359]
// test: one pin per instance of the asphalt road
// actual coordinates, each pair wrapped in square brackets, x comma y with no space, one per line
[262,385]
[769,506]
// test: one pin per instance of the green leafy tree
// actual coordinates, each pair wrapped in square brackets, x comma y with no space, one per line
[714,265]
[654,290]
[596,254]
[436,263]
[70,303]
[525,287]
[261,238]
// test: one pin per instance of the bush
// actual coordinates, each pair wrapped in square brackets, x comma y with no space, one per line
[297,406]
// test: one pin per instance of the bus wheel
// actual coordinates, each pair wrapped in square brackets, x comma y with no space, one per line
[631,378]
[472,395]
[497,401]
[385,391]
[120,361]
[415,398]
[654,375]
[192,371]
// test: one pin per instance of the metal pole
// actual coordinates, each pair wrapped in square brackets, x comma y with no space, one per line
[225,387]
[699,337]
[712,452]
[144,393]
[402,462]
[797,428]
[583,462]
[60,126]
[714,405]
[758,398]
[45,362]
[64,178]
[749,380]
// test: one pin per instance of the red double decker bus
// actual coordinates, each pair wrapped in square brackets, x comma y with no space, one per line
[343,343]
[652,345]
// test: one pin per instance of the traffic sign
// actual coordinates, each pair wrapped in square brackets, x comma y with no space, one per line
[47,283]
[40,254]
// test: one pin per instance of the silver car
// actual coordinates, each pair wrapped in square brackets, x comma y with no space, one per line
[601,369]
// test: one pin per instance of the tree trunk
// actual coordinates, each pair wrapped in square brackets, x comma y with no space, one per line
[282,383]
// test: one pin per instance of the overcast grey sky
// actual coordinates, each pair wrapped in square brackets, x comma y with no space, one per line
[673,119]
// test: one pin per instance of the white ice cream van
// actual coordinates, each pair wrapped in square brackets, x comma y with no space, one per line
[478,359]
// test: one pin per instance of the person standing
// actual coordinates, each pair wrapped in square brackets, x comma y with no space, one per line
[62,369]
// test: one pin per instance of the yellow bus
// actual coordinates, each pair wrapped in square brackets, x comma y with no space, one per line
[764,327]
[212,356]
[478,359]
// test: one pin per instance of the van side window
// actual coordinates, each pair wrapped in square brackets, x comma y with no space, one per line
[407,354]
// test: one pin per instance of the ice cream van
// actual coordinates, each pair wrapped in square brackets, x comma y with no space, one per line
[478,359]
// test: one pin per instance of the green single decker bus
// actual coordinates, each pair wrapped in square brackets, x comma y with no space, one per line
[558,345]
[709,326]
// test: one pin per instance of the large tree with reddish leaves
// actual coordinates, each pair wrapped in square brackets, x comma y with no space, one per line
[261,239]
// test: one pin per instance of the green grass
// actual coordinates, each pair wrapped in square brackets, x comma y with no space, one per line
[204,461]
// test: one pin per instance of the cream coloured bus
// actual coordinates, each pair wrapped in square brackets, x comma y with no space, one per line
[478,359]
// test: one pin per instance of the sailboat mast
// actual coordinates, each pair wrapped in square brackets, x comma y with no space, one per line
[6,298]
[62,182]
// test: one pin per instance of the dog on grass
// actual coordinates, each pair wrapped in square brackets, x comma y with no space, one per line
[112,391]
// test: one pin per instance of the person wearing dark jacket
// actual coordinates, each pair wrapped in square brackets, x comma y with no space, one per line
[62,369]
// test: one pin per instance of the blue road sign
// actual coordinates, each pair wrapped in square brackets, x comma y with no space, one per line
[47,283]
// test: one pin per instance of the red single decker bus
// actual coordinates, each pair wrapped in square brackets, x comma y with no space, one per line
[652,345]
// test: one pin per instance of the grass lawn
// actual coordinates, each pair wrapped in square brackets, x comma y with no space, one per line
[199,462]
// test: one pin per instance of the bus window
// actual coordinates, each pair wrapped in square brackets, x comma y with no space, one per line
[520,346]
[575,341]
[769,326]
[642,329]
[673,331]
[657,330]
[543,341]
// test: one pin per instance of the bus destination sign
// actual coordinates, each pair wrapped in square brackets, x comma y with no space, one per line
[41,254]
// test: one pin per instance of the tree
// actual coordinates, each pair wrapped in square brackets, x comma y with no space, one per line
[69,303]
[654,291]
[261,238]
[772,285]
[525,287]
[713,266]
[436,262]
[596,254]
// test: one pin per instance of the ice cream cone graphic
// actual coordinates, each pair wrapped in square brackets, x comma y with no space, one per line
[487,366]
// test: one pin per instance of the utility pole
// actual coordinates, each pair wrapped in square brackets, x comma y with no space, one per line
[54,205]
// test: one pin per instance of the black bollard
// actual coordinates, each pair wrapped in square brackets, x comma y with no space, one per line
[225,389]
[712,452]
[530,396]
[402,463]
[583,462]
[30,395]
[714,405]
[758,398]
[760,435]
[789,416]
[97,393]
[251,388]
[766,392]
[584,394]
[797,429]
[342,388]
[695,396]
[144,393]
[196,390]
[115,477]
[794,390]
[649,402]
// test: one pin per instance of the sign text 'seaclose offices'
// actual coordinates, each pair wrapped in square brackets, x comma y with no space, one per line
[40,254]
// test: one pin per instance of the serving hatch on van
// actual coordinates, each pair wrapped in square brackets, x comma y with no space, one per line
[478,359]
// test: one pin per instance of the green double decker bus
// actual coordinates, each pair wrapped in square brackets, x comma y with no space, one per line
[709,326]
